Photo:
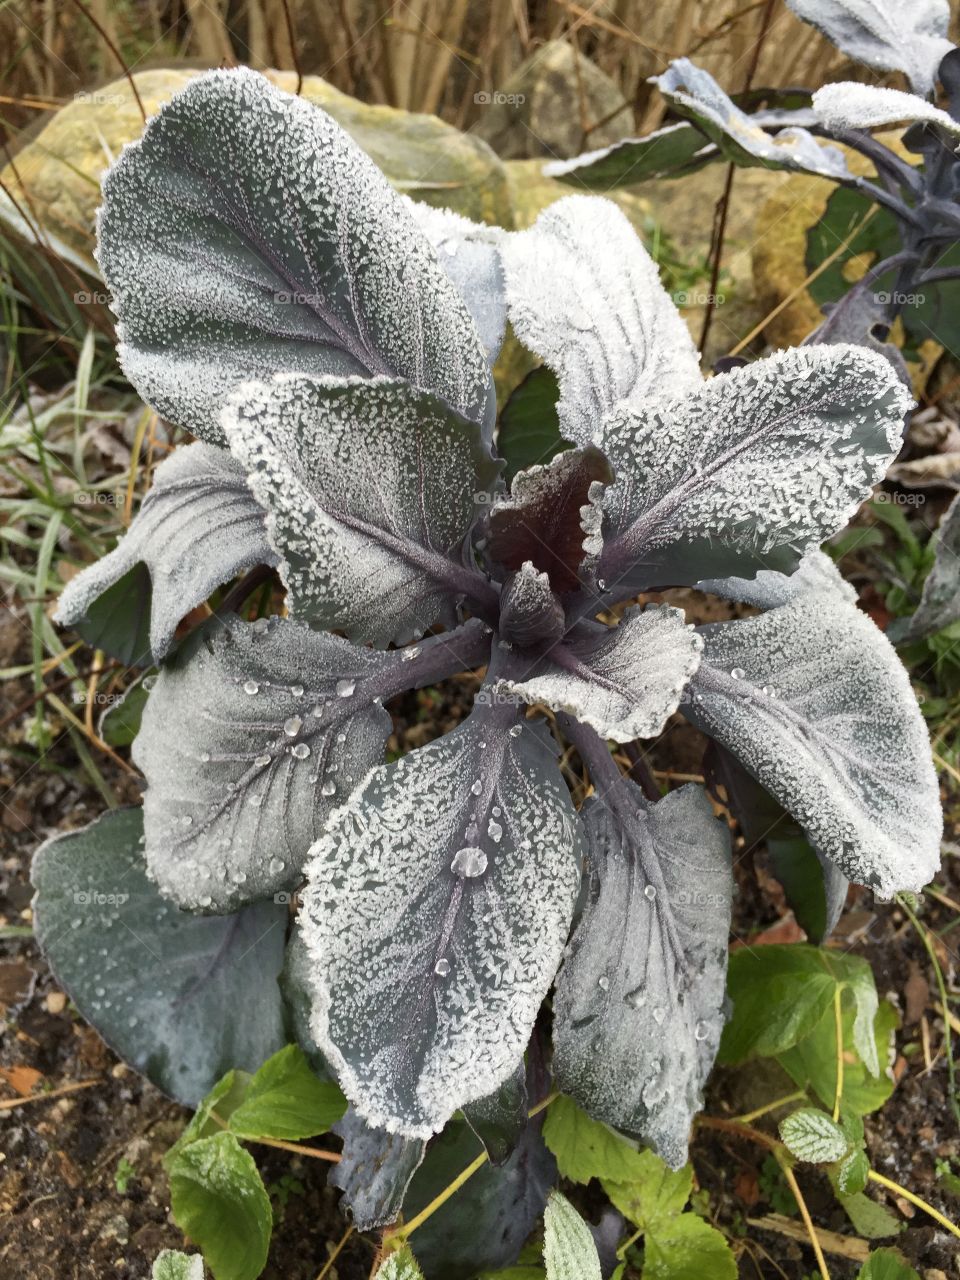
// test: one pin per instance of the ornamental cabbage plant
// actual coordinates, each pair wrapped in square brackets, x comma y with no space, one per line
[329,344]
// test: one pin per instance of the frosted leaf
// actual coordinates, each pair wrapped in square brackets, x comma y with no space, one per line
[569,1251]
[770,589]
[755,469]
[246,233]
[530,614]
[585,296]
[401,1265]
[848,105]
[625,682]
[548,518]
[382,909]
[693,92]
[887,35]
[635,1052]
[216,755]
[469,252]
[500,1118]
[843,746]
[183,998]
[666,153]
[374,1171]
[198,527]
[940,601]
[369,488]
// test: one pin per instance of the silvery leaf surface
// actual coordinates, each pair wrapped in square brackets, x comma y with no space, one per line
[751,472]
[585,296]
[694,93]
[885,34]
[246,234]
[848,105]
[940,601]
[198,527]
[371,488]
[770,589]
[569,1251]
[251,736]
[437,906]
[638,1003]
[469,252]
[549,519]
[813,701]
[624,681]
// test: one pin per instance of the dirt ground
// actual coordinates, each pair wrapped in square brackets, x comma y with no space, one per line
[83,1195]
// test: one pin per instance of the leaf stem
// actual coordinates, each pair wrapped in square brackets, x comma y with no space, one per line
[336,1253]
[781,1158]
[316,1152]
[798,1096]
[914,1199]
[838,1023]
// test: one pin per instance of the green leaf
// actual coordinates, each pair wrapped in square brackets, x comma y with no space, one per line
[401,1265]
[654,1194]
[529,433]
[286,1100]
[870,1220]
[120,723]
[585,1148]
[779,995]
[887,1264]
[224,1098]
[813,1136]
[687,1248]
[171,1264]
[669,152]
[219,1201]
[568,1247]
[852,1173]
[812,1063]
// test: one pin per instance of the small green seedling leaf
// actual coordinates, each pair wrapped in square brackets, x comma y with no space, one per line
[870,1220]
[852,1173]
[171,1264]
[286,1100]
[220,1202]
[811,1135]
[401,1265]
[569,1250]
[887,1264]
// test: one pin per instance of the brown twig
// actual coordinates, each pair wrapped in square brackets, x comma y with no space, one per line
[116,53]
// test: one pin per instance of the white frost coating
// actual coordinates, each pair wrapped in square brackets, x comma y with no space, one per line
[769,589]
[758,467]
[427,984]
[628,683]
[198,527]
[638,1003]
[400,1266]
[696,94]
[233,804]
[848,105]
[246,233]
[569,1252]
[369,488]
[889,35]
[469,252]
[837,738]
[585,296]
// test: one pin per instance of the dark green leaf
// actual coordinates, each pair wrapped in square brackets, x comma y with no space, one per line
[286,1100]
[529,432]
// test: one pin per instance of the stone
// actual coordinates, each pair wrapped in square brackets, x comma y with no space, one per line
[557,103]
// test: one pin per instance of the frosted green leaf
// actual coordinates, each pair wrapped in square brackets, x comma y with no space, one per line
[569,1251]
[469,252]
[885,34]
[171,1264]
[251,737]
[198,527]
[625,682]
[638,1003]
[245,234]
[940,601]
[436,909]
[770,589]
[812,1135]
[847,105]
[751,472]
[694,93]
[401,1265]
[585,296]
[370,488]
[813,701]
[162,987]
